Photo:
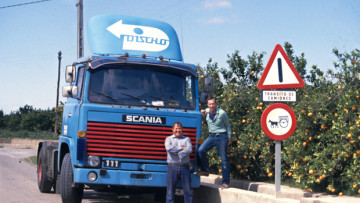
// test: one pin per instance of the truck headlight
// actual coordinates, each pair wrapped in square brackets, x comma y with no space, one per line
[92,176]
[93,161]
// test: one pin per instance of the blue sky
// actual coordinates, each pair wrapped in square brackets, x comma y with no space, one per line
[32,35]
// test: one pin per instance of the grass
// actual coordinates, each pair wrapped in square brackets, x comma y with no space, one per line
[32,159]
[28,134]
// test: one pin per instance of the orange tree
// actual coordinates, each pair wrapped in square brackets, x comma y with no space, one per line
[323,153]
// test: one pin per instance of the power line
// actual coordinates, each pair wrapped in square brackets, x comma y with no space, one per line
[33,2]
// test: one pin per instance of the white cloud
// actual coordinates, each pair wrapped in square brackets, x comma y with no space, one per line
[213,4]
[214,20]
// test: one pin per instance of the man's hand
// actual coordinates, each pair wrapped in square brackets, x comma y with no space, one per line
[229,142]
[203,113]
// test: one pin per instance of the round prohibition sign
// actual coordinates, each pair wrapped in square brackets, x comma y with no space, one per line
[278,121]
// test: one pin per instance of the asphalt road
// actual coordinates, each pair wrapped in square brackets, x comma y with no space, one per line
[18,183]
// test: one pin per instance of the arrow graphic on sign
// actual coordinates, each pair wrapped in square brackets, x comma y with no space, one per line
[137,37]
[280,73]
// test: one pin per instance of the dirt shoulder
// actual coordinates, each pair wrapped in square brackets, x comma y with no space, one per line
[21,143]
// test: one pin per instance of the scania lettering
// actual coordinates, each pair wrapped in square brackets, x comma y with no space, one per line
[121,103]
[144,119]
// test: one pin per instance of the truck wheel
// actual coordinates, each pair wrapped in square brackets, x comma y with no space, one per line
[69,193]
[44,182]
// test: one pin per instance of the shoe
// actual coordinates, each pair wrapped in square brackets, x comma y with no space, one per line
[203,173]
[225,186]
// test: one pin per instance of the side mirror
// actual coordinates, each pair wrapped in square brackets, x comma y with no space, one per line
[67,91]
[208,85]
[203,97]
[70,74]
[70,91]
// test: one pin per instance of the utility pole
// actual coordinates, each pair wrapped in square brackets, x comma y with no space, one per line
[80,33]
[57,93]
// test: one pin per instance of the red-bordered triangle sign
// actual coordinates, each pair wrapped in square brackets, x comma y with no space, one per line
[279,72]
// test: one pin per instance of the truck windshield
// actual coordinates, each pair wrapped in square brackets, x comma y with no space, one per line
[136,85]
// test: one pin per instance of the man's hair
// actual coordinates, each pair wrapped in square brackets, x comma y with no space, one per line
[177,123]
[211,98]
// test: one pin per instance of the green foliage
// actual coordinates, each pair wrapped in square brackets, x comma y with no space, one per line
[323,154]
[29,119]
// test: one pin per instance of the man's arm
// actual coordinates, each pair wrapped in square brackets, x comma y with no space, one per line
[227,124]
[171,147]
[187,149]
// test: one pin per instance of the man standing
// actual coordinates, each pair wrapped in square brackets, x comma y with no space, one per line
[178,148]
[220,132]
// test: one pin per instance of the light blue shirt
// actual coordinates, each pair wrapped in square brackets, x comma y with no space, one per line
[175,154]
[220,123]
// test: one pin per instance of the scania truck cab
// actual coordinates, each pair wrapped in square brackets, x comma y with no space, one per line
[121,103]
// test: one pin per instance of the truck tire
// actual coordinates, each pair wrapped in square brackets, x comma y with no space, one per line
[69,193]
[44,182]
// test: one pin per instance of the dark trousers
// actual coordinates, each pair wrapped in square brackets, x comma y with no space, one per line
[174,173]
[221,142]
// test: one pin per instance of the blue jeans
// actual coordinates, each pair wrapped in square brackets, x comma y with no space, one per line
[221,142]
[174,173]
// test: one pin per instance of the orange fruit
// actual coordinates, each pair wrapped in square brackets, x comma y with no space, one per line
[311,171]
[339,87]
[349,135]
[340,194]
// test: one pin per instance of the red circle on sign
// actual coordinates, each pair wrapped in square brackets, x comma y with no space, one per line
[264,123]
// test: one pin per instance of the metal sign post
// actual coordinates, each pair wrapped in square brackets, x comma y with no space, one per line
[277,167]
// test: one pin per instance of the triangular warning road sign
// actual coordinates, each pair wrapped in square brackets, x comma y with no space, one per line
[279,72]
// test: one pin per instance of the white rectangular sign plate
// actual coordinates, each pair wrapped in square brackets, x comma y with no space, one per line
[278,96]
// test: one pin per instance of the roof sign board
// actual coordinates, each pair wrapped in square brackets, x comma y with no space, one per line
[117,35]
[279,72]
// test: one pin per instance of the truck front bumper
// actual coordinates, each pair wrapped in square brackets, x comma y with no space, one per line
[127,178]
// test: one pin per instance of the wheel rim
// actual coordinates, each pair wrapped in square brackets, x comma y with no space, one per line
[40,171]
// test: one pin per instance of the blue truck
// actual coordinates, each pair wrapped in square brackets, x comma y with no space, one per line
[121,103]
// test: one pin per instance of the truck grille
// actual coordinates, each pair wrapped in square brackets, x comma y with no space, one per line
[131,141]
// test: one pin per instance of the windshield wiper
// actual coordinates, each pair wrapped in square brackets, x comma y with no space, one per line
[105,95]
[117,99]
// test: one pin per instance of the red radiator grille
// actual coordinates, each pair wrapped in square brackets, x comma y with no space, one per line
[131,141]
